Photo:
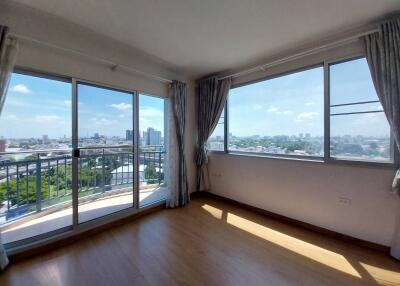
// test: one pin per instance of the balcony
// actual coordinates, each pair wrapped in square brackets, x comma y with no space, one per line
[36,191]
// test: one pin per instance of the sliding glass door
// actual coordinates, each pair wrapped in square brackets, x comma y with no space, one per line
[72,152]
[35,158]
[104,151]
[152,127]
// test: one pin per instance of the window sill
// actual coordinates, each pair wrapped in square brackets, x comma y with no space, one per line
[310,159]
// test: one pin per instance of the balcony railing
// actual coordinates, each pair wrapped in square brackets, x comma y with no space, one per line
[43,180]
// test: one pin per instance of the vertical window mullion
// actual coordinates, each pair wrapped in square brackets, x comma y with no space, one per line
[327,114]
[226,127]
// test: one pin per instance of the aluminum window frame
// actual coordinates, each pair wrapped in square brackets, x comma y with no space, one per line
[76,227]
[327,158]
[265,154]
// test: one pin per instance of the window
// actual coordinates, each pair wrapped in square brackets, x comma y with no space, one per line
[358,127]
[283,116]
[68,158]
[35,162]
[152,129]
[216,140]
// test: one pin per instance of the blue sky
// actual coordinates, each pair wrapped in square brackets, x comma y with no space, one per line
[37,106]
[294,104]
[286,105]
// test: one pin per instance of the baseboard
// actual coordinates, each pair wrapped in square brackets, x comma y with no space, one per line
[282,218]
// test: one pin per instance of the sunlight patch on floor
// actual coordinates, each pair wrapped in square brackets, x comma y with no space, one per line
[383,274]
[217,213]
[311,251]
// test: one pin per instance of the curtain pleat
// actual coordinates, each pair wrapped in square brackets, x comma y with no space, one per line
[383,56]
[8,55]
[177,173]
[211,98]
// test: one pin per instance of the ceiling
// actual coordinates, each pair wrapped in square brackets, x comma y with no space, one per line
[200,37]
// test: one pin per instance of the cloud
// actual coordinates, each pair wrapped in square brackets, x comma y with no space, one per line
[275,110]
[285,112]
[150,112]
[103,121]
[309,103]
[21,88]
[121,106]
[272,109]
[46,118]
[68,103]
[304,116]
[256,106]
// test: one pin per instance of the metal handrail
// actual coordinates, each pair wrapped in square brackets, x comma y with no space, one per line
[20,199]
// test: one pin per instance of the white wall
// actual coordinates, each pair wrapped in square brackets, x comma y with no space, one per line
[310,191]
[32,23]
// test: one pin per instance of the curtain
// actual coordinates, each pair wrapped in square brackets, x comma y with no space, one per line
[8,54]
[176,170]
[211,98]
[383,56]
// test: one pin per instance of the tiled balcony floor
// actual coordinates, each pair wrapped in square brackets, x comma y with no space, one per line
[87,210]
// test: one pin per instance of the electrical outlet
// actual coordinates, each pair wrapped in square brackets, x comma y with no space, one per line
[344,201]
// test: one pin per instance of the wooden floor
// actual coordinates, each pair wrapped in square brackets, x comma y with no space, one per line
[208,242]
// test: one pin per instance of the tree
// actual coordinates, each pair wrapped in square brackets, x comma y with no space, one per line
[150,172]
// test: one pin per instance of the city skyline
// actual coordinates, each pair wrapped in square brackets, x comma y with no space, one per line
[37,106]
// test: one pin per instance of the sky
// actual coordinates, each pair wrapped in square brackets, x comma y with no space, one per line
[286,105]
[294,104]
[37,106]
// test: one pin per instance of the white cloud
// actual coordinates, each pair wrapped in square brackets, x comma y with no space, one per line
[68,103]
[21,88]
[309,103]
[285,112]
[257,106]
[304,116]
[272,109]
[150,112]
[122,106]
[46,118]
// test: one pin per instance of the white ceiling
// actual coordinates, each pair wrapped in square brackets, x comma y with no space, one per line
[205,36]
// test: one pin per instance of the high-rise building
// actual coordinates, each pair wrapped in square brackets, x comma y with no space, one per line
[129,135]
[45,139]
[153,136]
[96,135]
[2,145]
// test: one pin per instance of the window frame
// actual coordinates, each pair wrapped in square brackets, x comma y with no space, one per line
[76,228]
[327,158]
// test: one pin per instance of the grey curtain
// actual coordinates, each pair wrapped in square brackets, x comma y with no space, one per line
[383,55]
[211,98]
[8,55]
[6,63]
[179,193]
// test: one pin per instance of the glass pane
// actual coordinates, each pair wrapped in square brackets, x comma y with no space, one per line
[352,137]
[351,82]
[104,116]
[35,163]
[105,173]
[152,187]
[216,140]
[284,115]
[105,182]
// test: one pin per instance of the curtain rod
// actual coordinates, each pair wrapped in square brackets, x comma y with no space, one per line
[113,65]
[305,53]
